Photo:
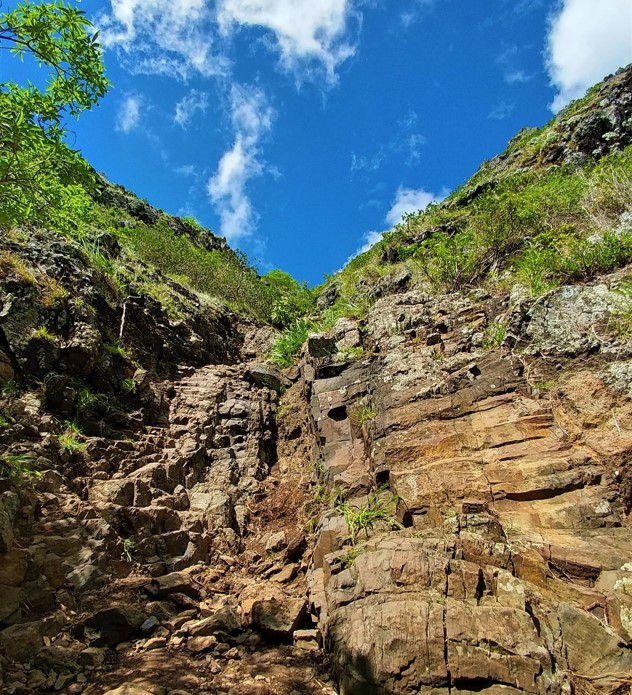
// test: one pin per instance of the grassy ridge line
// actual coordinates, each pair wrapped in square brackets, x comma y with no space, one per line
[179,249]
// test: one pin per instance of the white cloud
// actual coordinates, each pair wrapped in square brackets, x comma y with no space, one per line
[368,240]
[586,41]
[128,116]
[186,170]
[509,60]
[413,13]
[308,33]
[367,162]
[410,200]
[501,109]
[165,37]
[187,107]
[252,118]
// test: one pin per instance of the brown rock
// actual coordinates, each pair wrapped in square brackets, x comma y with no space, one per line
[278,618]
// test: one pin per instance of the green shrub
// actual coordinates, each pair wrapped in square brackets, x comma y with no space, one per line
[69,439]
[450,262]
[287,346]
[494,334]
[18,468]
[128,386]
[362,413]
[362,519]
[10,388]
[42,333]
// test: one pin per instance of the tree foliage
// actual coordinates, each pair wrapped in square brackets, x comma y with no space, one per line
[34,159]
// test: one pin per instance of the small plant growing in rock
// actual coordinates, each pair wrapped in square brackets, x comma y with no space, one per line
[128,385]
[622,319]
[350,556]
[69,439]
[352,354]
[10,388]
[362,414]
[283,411]
[287,346]
[42,333]
[129,546]
[116,348]
[11,263]
[53,293]
[494,335]
[3,422]
[362,519]
[18,468]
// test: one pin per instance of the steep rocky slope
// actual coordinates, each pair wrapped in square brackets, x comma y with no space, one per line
[435,498]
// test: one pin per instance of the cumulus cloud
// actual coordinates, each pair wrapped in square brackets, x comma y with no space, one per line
[410,200]
[166,37]
[586,41]
[189,105]
[252,118]
[308,34]
[128,115]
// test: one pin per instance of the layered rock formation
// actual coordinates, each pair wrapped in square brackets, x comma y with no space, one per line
[510,567]
[435,499]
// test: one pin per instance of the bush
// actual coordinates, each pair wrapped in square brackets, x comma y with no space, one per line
[18,468]
[287,346]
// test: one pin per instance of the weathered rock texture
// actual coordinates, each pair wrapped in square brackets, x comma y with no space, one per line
[510,570]
[449,513]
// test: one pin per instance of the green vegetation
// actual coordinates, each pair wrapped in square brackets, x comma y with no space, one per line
[519,219]
[283,411]
[69,440]
[351,354]
[10,388]
[18,468]
[349,557]
[11,264]
[89,402]
[362,413]
[378,508]
[494,335]
[42,333]
[35,164]
[128,386]
[53,293]
[116,348]
[289,343]
[623,319]
[129,546]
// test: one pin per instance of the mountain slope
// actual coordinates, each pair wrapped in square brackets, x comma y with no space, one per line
[435,497]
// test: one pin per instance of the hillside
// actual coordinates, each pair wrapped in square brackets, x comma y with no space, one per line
[414,479]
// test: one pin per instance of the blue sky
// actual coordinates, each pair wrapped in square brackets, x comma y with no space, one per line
[301,129]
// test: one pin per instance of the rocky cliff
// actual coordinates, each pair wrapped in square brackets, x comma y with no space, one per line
[435,498]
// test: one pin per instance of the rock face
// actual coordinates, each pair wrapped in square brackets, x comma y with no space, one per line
[414,508]
[470,510]
[513,545]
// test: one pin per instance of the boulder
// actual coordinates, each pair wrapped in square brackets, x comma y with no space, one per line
[21,642]
[173,583]
[267,376]
[278,618]
[114,625]
[225,620]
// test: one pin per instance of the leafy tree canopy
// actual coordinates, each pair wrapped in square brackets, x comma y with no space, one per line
[34,161]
